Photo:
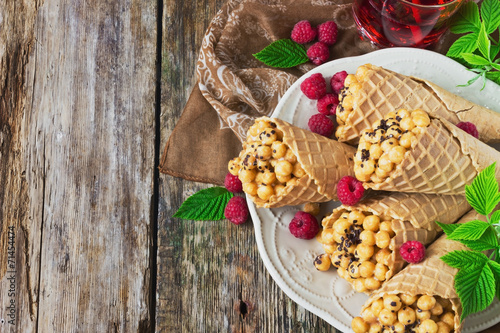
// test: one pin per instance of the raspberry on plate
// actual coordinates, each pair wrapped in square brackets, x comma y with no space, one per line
[337,81]
[233,184]
[236,210]
[327,104]
[469,128]
[327,32]
[350,190]
[304,225]
[321,124]
[303,32]
[318,53]
[314,87]
[412,251]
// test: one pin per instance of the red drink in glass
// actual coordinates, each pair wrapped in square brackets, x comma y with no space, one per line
[414,23]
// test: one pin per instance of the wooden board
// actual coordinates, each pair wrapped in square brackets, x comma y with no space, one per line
[77,156]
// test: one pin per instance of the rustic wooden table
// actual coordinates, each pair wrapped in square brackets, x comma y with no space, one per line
[89,93]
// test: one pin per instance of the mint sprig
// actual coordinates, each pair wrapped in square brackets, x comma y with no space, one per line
[478,49]
[283,53]
[205,205]
[478,279]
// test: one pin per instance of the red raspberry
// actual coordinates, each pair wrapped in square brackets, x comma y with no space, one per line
[350,190]
[236,210]
[304,225]
[469,128]
[302,32]
[233,183]
[318,53]
[321,124]
[327,104]
[337,81]
[412,251]
[327,32]
[314,87]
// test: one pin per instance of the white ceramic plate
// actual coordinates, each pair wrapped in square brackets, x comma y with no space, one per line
[290,260]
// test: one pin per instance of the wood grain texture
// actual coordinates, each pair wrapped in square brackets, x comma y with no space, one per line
[78,127]
[210,275]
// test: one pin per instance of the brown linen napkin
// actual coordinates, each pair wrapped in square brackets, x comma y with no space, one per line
[234,88]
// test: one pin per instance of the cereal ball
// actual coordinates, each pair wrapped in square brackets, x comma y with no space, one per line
[406,315]
[372,283]
[250,188]
[403,113]
[283,168]
[312,208]
[298,171]
[366,269]
[356,217]
[350,78]
[426,302]
[322,262]
[354,270]
[248,162]
[382,239]
[263,165]
[407,124]
[359,325]
[408,299]
[290,156]
[367,237]
[380,271]
[268,177]
[376,151]
[448,318]
[375,328]
[422,315]
[398,328]
[396,154]
[279,189]
[377,306]
[387,226]
[428,326]
[327,236]
[371,222]
[392,302]
[383,256]
[336,257]
[283,179]
[387,317]
[278,149]
[264,152]
[359,285]
[368,315]
[268,136]
[407,139]
[265,192]
[364,251]
[341,226]
[420,118]
[329,248]
[437,310]
[234,166]
[246,176]
[384,163]
[443,327]
[388,144]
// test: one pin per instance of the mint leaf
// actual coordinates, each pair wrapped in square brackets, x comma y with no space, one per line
[469,231]
[487,241]
[447,228]
[495,217]
[495,268]
[464,259]
[484,43]
[494,76]
[495,66]
[494,51]
[490,13]
[483,193]
[465,44]
[466,19]
[476,288]
[283,53]
[475,59]
[205,205]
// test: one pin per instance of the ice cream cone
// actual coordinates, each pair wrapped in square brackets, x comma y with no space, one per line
[383,91]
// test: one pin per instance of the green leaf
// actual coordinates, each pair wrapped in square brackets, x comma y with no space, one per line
[483,193]
[487,241]
[465,44]
[447,228]
[471,81]
[495,268]
[484,43]
[475,59]
[494,51]
[490,13]
[466,19]
[495,66]
[464,259]
[205,205]
[476,288]
[494,76]
[283,53]
[469,231]
[495,217]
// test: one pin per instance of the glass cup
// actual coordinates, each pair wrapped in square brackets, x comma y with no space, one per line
[412,23]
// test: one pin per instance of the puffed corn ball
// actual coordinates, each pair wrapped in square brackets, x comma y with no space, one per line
[403,313]
[347,97]
[358,243]
[384,147]
[265,165]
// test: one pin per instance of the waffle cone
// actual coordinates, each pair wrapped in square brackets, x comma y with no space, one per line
[324,160]
[384,91]
[429,277]
[413,217]
[443,160]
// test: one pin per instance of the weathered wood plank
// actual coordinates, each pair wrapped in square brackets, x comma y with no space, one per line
[87,159]
[210,275]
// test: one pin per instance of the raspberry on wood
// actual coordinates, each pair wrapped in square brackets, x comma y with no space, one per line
[327,32]
[236,210]
[350,190]
[233,183]
[303,32]
[314,87]
[318,53]
[412,251]
[304,225]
